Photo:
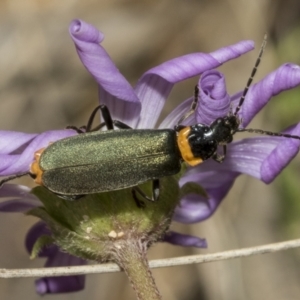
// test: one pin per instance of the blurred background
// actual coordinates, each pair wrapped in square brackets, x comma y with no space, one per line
[43,86]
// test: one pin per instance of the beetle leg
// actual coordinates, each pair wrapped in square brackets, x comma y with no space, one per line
[220,158]
[193,106]
[106,117]
[87,128]
[82,129]
[116,123]
[121,125]
[108,122]
[224,150]
[79,130]
[154,196]
[139,203]
[98,127]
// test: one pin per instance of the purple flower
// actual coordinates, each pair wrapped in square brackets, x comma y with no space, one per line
[56,258]
[261,157]
[140,107]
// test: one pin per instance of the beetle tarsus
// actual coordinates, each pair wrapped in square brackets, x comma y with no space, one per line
[121,125]
[139,203]
[218,158]
[79,130]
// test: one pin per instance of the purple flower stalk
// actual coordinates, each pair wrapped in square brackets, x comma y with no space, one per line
[139,107]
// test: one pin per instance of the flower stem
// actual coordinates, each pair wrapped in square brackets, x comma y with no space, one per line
[130,255]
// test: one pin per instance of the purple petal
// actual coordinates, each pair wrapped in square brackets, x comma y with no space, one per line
[52,285]
[214,102]
[280,157]
[185,240]
[155,85]
[21,200]
[245,156]
[19,163]
[261,157]
[172,118]
[64,259]
[13,141]
[34,233]
[284,78]
[63,284]
[190,65]
[15,205]
[115,91]
[195,208]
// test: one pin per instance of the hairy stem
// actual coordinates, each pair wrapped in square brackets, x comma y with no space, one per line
[130,255]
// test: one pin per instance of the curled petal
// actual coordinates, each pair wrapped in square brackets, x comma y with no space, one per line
[190,65]
[261,157]
[284,78]
[12,163]
[214,102]
[33,234]
[185,240]
[115,91]
[194,208]
[245,156]
[154,86]
[280,157]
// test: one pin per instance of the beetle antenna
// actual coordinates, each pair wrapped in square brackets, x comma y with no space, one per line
[12,177]
[269,133]
[262,48]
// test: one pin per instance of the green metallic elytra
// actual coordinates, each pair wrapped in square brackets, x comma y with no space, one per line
[109,160]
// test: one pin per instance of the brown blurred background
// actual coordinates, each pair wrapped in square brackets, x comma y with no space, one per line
[44,86]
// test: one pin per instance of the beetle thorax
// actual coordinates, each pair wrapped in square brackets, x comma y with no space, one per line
[200,142]
[204,140]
